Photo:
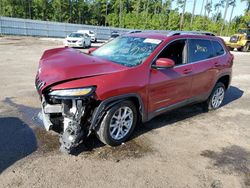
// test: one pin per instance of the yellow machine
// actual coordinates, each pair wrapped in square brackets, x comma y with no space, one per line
[240,41]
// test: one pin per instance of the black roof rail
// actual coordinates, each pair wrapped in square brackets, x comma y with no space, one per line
[173,33]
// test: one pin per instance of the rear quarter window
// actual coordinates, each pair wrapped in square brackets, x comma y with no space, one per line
[200,49]
[218,49]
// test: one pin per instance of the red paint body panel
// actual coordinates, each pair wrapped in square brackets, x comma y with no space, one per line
[66,68]
[169,86]
[62,64]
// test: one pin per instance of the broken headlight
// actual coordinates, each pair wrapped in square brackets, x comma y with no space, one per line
[72,92]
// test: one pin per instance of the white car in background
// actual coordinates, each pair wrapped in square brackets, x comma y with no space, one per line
[92,34]
[77,39]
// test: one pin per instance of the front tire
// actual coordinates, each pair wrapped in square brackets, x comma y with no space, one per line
[118,123]
[216,98]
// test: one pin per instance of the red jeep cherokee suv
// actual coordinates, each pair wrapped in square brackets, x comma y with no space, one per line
[132,78]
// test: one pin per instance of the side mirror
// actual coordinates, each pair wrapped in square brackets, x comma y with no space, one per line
[163,63]
[91,50]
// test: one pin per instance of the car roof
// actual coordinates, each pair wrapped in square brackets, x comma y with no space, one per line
[152,35]
[166,34]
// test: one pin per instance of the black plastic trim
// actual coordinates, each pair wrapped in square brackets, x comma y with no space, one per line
[186,102]
[106,104]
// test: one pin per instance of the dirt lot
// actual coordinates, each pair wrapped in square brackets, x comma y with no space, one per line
[184,148]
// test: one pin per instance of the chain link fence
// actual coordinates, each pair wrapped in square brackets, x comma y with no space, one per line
[27,27]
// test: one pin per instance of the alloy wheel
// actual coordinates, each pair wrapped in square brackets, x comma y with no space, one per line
[218,97]
[121,123]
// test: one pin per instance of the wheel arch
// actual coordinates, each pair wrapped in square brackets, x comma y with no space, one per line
[108,103]
[225,79]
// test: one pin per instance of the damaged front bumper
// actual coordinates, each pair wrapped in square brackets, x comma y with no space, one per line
[48,109]
[68,115]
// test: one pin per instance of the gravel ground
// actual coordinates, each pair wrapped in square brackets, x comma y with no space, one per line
[183,148]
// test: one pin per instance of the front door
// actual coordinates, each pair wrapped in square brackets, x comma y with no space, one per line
[171,85]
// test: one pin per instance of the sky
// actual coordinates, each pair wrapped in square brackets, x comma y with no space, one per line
[238,10]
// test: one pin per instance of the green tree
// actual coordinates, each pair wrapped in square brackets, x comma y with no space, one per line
[136,14]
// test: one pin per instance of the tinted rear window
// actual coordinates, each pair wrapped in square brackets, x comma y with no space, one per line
[218,49]
[200,49]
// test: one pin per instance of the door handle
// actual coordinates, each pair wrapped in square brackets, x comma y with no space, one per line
[187,71]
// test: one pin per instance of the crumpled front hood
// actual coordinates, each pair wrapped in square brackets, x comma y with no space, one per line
[63,64]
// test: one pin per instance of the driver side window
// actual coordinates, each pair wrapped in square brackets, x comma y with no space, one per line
[176,51]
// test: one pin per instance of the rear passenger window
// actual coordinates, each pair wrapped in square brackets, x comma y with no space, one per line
[200,49]
[218,49]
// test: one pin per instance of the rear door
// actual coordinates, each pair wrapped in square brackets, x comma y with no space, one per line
[201,55]
[171,85]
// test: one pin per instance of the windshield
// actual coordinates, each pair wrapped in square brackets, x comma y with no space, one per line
[76,35]
[128,51]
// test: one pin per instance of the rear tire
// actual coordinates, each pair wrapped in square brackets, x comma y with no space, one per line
[230,48]
[118,124]
[216,97]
